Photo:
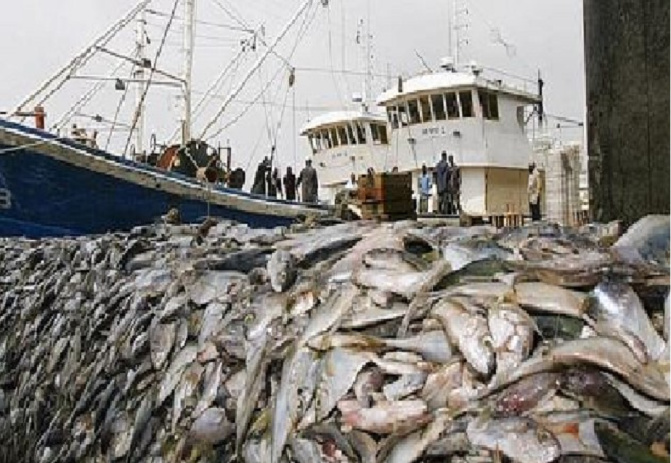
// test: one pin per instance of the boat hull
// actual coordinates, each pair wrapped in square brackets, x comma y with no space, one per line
[52,187]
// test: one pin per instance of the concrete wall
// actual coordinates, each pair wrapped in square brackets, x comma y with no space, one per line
[627,70]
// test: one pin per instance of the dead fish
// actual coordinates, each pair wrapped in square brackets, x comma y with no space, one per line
[607,353]
[326,315]
[211,385]
[574,431]
[667,308]
[305,450]
[285,410]
[340,368]
[214,286]
[364,445]
[172,376]
[369,381]
[373,316]
[646,241]
[461,253]
[385,417]
[255,378]
[184,391]
[404,386]
[411,447]
[469,332]
[433,346]
[616,306]
[512,333]
[520,439]
[594,391]
[211,426]
[282,270]
[635,399]
[211,318]
[393,259]
[548,298]
[440,383]
[526,394]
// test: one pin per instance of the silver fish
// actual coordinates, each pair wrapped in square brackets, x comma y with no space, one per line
[368,381]
[385,417]
[373,316]
[184,390]
[211,318]
[512,332]
[282,270]
[285,410]
[172,376]
[329,313]
[305,450]
[607,353]
[214,286]
[211,385]
[574,432]
[404,386]
[433,346]
[637,400]
[548,298]
[441,382]
[411,447]
[211,426]
[616,306]
[469,332]
[520,439]
[646,241]
[339,371]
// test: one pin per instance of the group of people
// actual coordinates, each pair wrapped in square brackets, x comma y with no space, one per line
[447,177]
[267,182]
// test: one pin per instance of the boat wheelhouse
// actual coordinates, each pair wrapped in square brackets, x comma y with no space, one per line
[343,143]
[479,121]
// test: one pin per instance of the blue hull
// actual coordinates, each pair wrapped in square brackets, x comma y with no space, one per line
[59,188]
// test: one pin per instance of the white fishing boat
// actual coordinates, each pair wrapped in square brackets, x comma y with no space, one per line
[476,115]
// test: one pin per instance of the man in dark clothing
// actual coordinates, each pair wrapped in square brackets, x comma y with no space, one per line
[290,185]
[308,182]
[453,187]
[259,186]
[442,177]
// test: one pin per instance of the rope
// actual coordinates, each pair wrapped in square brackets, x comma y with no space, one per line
[117,111]
[136,116]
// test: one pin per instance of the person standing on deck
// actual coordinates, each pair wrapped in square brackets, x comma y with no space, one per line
[442,173]
[424,190]
[270,185]
[453,187]
[308,182]
[534,191]
[259,186]
[290,185]
[277,182]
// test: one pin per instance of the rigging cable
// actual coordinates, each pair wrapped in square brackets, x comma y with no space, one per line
[136,116]
[117,111]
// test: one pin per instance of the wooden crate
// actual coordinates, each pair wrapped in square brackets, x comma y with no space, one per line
[386,196]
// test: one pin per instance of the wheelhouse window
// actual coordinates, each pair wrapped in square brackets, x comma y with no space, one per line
[342,134]
[392,116]
[413,112]
[361,133]
[425,109]
[350,135]
[438,107]
[466,102]
[326,140]
[452,105]
[382,129]
[334,137]
[489,104]
[403,116]
[313,143]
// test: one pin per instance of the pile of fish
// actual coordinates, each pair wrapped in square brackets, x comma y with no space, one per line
[349,342]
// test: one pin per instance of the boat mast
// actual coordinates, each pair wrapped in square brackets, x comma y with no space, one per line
[141,40]
[189,30]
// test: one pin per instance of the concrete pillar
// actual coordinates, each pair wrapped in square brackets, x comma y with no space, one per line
[627,74]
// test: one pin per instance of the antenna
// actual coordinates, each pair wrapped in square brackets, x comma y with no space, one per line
[458,26]
[189,31]
[141,41]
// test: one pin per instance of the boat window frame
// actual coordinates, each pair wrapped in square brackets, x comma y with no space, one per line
[418,118]
[457,105]
[335,141]
[402,110]
[350,133]
[442,99]
[384,139]
[392,116]
[422,107]
[361,132]
[461,106]
[326,138]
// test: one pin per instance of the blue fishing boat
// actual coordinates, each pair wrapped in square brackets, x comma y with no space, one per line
[55,185]
[51,186]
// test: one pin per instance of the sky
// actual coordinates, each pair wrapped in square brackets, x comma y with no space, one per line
[520,37]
